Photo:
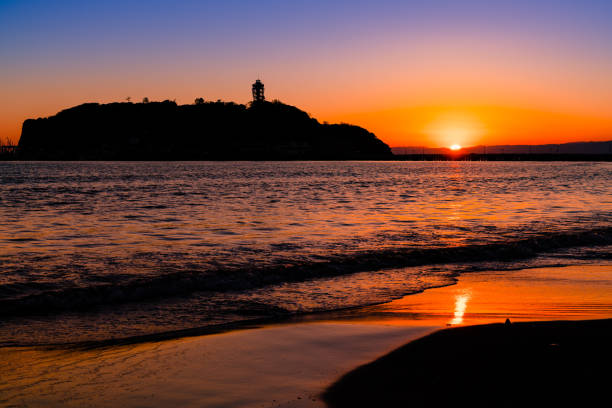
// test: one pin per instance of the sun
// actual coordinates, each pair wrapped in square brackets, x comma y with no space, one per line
[454,129]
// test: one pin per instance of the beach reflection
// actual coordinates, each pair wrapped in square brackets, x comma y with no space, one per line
[460,306]
[552,293]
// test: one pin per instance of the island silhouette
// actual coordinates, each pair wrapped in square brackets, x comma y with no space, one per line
[204,130]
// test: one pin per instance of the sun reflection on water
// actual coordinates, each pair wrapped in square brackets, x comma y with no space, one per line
[460,306]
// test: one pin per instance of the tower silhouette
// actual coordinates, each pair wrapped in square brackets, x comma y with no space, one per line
[258,91]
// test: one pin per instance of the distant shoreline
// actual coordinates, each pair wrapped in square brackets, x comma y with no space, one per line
[506,157]
[14,156]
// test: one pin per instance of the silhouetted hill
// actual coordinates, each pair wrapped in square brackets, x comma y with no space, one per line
[205,131]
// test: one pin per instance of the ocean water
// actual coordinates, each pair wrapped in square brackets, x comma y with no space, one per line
[94,251]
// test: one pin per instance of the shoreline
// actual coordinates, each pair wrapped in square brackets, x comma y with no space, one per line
[290,364]
[271,366]
[374,311]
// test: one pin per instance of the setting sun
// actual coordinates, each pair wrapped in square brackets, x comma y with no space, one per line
[453,127]
[455,147]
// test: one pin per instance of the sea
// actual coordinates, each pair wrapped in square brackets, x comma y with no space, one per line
[103,251]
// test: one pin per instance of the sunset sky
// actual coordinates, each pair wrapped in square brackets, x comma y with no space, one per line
[432,73]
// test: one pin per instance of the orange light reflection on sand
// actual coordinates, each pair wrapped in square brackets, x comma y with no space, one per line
[567,293]
[460,306]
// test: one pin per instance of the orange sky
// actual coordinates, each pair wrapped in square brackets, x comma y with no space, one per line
[401,111]
[437,126]
[397,121]
[432,74]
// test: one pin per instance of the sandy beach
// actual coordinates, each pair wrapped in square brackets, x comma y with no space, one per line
[291,363]
[274,366]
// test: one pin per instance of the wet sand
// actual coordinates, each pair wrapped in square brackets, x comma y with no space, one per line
[275,366]
[291,364]
[553,293]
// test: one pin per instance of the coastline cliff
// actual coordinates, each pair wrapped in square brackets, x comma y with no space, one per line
[202,131]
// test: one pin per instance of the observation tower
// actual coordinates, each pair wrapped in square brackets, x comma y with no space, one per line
[258,91]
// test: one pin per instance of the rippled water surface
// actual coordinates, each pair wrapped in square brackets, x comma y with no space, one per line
[120,249]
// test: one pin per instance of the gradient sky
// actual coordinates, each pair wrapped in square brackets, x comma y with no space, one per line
[429,73]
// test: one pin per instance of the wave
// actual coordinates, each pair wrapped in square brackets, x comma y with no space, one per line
[183,283]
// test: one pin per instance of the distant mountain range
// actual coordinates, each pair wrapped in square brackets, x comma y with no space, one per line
[565,148]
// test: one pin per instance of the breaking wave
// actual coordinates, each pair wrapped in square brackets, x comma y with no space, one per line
[185,282]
